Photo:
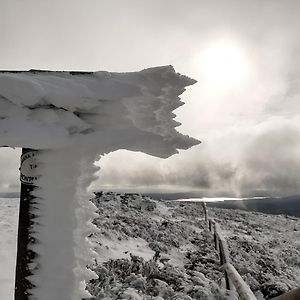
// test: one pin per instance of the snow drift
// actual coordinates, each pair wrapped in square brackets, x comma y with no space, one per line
[74,117]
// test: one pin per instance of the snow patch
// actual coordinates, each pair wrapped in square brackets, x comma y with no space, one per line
[113,248]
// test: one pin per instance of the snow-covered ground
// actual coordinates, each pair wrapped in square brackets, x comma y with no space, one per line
[265,249]
[8,237]
[162,250]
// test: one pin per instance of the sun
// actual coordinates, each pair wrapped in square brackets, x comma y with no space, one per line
[223,65]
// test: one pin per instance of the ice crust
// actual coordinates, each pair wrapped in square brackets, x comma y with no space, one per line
[62,224]
[73,118]
[47,110]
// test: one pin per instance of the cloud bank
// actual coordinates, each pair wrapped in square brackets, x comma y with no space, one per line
[250,133]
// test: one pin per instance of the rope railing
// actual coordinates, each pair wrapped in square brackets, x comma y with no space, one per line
[233,279]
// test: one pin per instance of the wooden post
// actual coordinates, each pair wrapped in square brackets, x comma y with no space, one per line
[25,256]
[224,259]
[205,210]
[210,225]
[216,236]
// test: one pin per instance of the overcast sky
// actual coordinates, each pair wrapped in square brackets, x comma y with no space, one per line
[245,107]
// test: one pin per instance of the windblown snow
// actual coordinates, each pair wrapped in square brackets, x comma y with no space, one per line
[74,117]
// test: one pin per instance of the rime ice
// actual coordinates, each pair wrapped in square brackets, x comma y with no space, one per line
[46,110]
[74,117]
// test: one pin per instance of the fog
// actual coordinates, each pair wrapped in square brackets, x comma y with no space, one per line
[249,131]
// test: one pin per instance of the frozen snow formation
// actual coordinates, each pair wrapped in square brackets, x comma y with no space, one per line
[74,117]
[46,110]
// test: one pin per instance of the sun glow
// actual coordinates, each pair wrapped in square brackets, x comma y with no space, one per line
[223,65]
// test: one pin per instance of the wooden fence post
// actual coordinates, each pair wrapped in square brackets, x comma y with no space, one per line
[216,238]
[224,259]
[205,211]
[210,225]
[25,256]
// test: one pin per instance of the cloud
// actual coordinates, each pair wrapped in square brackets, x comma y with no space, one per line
[271,161]
[263,159]
[250,134]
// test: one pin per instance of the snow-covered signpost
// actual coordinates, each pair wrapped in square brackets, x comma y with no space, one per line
[71,119]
